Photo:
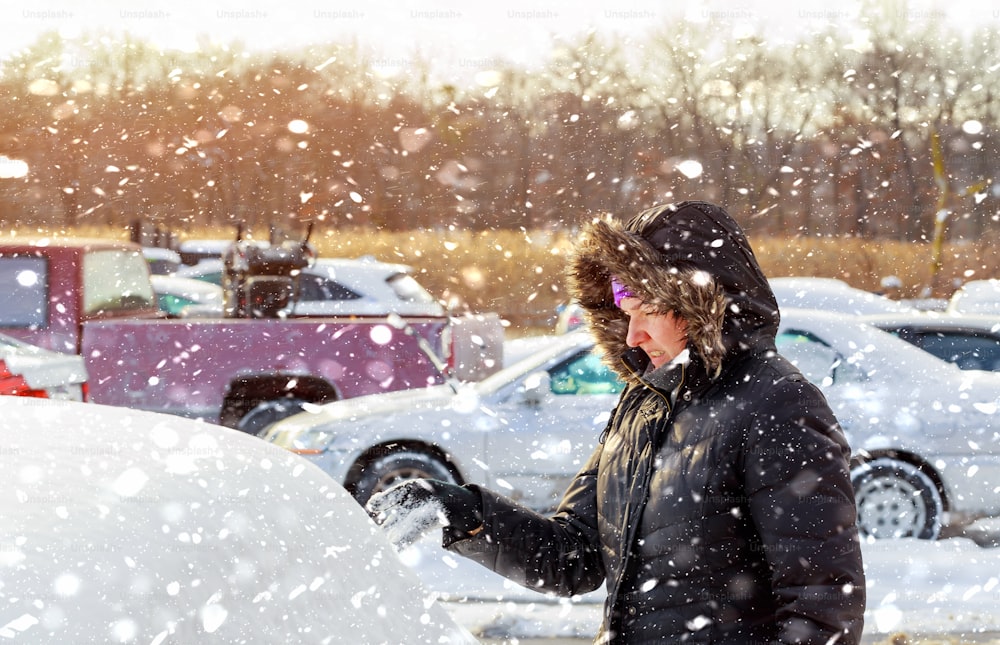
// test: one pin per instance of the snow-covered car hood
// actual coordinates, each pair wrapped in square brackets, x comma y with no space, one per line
[125,526]
[360,408]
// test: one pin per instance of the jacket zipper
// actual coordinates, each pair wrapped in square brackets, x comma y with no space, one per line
[632,527]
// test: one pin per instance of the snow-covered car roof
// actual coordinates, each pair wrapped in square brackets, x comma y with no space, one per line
[195,251]
[976,297]
[347,287]
[830,294]
[60,376]
[935,320]
[125,526]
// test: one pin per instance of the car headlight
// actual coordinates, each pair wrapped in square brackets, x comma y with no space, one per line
[311,442]
[304,441]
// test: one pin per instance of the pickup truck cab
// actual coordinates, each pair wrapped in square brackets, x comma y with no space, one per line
[49,289]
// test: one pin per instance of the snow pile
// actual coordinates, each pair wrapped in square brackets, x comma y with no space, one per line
[133,527]
[405,516]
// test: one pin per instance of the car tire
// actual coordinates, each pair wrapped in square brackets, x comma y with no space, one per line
[896,499]
[386,471]
[257,420]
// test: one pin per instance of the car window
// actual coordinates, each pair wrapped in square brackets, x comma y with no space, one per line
[24,292]
[968,350]
[584,374]
[173,304]
[162,267]
[315,287]
[213,277]
[816,360]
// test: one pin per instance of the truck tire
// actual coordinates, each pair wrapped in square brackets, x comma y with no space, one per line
[265,413]
[382,473]
[896,499]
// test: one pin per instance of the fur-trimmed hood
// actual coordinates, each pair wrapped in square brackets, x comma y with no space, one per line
[691,258]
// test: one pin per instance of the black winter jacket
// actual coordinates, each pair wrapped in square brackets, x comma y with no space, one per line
[717,507]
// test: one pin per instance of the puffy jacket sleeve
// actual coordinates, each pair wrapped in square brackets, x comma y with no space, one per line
[802,502]
[558,554]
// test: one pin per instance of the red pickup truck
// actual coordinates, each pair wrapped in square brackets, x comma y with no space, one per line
[94,297]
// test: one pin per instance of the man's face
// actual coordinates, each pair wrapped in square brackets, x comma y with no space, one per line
[661,336]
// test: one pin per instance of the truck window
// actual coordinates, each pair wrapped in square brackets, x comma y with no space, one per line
[24,292]
[115,281]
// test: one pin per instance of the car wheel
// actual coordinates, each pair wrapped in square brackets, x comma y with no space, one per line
[257,420]
[896,499]
[382,473]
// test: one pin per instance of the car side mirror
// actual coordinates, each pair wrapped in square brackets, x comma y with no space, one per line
[847,372]
[537,388]
[817,362]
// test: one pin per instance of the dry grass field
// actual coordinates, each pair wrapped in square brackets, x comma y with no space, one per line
[520,275]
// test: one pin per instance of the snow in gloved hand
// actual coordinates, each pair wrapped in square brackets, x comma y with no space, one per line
[406,513]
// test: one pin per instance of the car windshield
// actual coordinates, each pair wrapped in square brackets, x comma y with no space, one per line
[537,361]
[316,287]
[870,350]
[584,373]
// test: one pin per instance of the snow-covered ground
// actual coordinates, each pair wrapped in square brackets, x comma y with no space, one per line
[949,588]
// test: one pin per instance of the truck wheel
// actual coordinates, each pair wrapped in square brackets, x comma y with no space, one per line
[896,499]
[257,420]
[388,470]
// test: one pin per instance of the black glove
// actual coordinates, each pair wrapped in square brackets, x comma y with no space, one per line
[414,507]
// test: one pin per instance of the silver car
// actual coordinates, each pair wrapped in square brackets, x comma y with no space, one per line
[524,430]
[926,434]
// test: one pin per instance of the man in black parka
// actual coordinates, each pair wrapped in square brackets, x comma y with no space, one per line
[717,506]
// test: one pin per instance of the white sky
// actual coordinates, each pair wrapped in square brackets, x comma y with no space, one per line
[456,33]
